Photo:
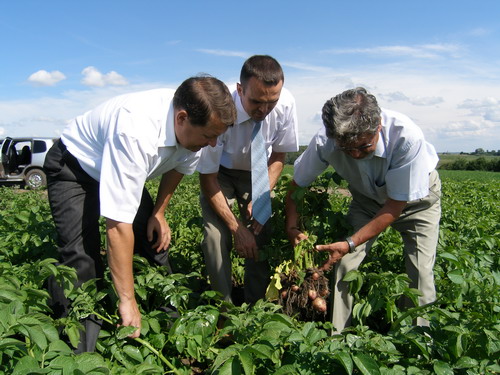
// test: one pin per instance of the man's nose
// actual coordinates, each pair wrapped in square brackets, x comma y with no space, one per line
[212,142]
[355,153]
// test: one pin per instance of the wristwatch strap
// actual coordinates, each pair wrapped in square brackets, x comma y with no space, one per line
[352,246]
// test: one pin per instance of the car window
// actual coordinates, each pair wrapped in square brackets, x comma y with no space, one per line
[39,146]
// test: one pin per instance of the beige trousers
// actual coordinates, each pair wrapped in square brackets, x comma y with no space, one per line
[217,244]
[419,228]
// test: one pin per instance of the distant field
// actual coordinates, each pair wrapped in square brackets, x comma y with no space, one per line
[482,176]
[452,175]
[450,158]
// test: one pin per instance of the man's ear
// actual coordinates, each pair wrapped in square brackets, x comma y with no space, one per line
[180,117]
[239,88]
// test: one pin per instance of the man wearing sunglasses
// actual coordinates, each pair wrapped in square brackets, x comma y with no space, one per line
[390,169]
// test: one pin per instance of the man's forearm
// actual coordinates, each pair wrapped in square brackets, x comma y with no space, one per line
[120,255]
[275,167]
[292,216]
[169,182]
[213,193]
[385,216]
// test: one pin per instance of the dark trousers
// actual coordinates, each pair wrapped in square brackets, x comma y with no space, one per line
[74,202]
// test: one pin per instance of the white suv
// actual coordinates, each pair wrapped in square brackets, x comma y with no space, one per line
[22,160]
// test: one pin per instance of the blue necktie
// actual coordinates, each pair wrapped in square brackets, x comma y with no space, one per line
[261,196]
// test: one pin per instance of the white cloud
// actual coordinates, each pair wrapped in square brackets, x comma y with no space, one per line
[307,67]
[480,31]
[424,51]
[221,52]
[418,100]
[44,78]
[93,77]
[487,108]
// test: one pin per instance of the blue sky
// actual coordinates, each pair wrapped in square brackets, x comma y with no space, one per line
[436,61]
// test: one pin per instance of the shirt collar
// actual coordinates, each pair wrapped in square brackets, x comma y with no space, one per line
[167,133]
[381,150]
[241,114]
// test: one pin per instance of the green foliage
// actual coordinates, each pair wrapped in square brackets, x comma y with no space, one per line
[186,328]
[480,163]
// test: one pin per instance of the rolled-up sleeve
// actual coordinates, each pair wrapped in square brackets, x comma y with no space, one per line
[311,163]
[126,160]
[210,158]
[408,177]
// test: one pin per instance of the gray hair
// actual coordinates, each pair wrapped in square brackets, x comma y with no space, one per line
[351,114]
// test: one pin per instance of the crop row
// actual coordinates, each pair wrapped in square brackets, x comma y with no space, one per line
[188,329]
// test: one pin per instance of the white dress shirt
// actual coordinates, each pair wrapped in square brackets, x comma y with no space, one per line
[398,169]
[279,129]
[125,141]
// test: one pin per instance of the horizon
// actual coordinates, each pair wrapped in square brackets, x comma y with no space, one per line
[436,62]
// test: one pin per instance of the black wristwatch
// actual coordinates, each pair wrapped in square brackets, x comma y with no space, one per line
[352,246]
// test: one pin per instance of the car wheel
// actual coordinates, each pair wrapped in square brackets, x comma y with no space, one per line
[35,179]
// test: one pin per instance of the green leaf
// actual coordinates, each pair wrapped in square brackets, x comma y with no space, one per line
[10,342]
[442,368]
[226,354]
[50,332]
[180,343]
[155,325]
[91,363]
[345,360]
[366,364]
[456,276]
[466,362]
[262,351]
[73,333]
[25,238]
[230,367]
[351,275]
[246,361]
[26,365]
[38,337]
[124,331]
[133,353]
[287,370]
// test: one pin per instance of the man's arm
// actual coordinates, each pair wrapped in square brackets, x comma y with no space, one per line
[293,231]
[389,212]
[244,240]
[275,165]
[120,254]
[157,223]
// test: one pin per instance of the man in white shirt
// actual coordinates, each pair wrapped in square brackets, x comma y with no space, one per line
[225,176]
[99,167]
[391,173]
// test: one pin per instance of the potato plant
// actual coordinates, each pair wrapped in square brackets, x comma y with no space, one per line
[188,329]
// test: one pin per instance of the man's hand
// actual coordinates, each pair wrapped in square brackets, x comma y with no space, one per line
[131,316]
[295,235]
[244,243]
[337,251]
[158,224]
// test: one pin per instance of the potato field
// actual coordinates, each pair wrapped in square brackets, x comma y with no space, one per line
[187,329]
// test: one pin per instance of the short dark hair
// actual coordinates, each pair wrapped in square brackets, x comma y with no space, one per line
[204,96]
[263,67]
[351,114]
